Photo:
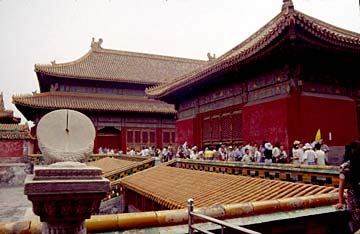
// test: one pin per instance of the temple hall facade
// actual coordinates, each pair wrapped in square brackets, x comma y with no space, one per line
[109,87]
[295,75]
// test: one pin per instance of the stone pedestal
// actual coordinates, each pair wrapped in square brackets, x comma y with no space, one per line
[64,194]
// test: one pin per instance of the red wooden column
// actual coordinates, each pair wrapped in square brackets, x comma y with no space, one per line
[159,141]
[198,131]
[96,141]
[123,139]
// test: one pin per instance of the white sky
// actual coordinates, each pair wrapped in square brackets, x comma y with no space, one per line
[38,31]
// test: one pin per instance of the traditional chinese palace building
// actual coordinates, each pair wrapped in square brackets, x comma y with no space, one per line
[109,87]
[293,76]
[16,142]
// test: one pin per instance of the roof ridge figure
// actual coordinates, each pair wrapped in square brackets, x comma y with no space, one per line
[287,6]
[96,45]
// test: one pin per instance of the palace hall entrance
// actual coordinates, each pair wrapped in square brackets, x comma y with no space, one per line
[109,137]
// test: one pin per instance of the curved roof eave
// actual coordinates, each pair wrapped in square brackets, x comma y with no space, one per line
[257,42]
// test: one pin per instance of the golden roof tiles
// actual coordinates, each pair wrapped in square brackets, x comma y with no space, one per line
[15,131]
[172,187]
[110,164]
[114,65]
[94,102]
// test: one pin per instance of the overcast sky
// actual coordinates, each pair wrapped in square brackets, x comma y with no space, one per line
[38,31]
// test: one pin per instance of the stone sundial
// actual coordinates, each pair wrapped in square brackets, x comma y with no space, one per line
[65,135]
[66,192]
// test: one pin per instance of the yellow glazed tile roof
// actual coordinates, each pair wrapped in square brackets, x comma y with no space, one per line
[124,66]
[171,187]
[242,53]
[15,131]
[93,102]
[110,164]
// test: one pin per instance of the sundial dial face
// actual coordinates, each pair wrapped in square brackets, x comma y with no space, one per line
[65,131]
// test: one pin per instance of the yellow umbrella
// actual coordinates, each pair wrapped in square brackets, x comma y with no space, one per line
[318,135]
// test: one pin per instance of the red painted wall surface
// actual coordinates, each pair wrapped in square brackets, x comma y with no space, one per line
[11,148]
[266,121]
[331,114]
[185,131]
[298,117]
[111,142]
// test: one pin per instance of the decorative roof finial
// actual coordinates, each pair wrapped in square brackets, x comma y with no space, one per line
[2,106]
[96,45]
[211,57]
[287,5]
[53,62]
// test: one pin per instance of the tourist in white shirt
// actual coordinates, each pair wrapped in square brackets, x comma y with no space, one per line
[247,156]
[309,155]
[297,152]
[320,155]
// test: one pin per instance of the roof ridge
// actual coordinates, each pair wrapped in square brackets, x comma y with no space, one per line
[147,55]
[63,93]
[54,64]
[12,126]
[272,22]
[328,25]
[225,56]
[99,49]
[287,17]
[109,96]
[19,96]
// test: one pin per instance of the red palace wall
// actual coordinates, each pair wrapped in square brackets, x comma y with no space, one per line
[265,121]
[331,114]
[11,148]
[299,117]
[185,131]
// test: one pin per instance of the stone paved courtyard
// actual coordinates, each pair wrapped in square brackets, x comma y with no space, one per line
[14,205]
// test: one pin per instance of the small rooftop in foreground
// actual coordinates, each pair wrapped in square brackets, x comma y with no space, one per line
[110,164]
[210,189]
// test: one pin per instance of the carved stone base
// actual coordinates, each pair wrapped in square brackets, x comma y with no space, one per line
[64,228]
[65,194]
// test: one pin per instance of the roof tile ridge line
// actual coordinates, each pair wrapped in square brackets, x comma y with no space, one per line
[38,67]
[271,24]
[28,95]
[20,127]
[82,77]
[218,61]
[149,55]
[328,26]
[127,167]
[110,96]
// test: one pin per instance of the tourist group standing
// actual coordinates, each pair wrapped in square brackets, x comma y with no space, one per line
[309,154]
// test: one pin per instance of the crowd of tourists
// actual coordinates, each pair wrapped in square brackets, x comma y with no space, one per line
[109,151]
[314,153]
